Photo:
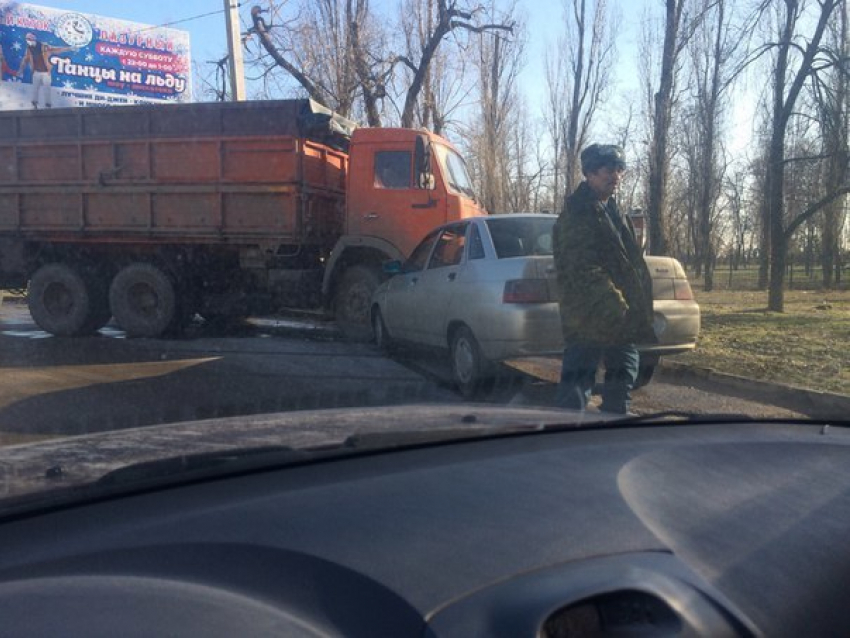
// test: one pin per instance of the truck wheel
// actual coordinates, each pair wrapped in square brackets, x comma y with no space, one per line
[471,371]
[352,301]
[60,300]
[143,300]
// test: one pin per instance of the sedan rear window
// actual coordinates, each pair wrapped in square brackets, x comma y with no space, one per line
[521,237]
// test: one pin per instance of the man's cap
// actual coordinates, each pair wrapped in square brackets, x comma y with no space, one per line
[598,155]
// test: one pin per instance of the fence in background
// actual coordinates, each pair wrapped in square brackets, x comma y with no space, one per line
[747,277]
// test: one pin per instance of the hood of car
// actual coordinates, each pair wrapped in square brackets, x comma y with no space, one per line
[73,461]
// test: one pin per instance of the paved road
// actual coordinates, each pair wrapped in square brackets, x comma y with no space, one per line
[52,386]
[670,390]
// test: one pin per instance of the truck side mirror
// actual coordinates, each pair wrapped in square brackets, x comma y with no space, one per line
[422,162]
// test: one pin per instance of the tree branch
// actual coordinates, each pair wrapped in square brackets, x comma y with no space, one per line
[261,29]
[813,209]
[483,27]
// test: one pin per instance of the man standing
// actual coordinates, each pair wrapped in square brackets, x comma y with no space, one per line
[38,56]
[605,287]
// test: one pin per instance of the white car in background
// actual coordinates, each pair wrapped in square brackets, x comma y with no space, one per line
[484,289]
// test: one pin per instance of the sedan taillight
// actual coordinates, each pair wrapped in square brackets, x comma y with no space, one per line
[526,291]
[682,290]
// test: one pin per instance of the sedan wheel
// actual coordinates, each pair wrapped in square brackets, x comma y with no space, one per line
[644,376]
[468,365]
[379,331]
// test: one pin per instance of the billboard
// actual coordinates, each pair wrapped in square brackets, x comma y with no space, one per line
[54,58]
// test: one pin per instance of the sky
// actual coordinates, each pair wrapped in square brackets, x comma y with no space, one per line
[204,20]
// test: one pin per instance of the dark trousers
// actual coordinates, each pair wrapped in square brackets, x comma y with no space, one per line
[578,376]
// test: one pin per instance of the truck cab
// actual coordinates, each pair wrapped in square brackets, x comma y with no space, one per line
[401,183]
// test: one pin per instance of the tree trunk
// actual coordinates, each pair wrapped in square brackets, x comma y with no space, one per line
[658,162]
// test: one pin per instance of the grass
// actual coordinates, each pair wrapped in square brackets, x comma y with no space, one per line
[808,345]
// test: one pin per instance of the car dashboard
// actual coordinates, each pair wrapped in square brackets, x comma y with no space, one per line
[736,529]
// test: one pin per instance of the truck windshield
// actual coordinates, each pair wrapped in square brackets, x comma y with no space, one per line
[454,169]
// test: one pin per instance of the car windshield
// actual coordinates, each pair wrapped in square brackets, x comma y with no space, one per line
[295,225]
[454,169]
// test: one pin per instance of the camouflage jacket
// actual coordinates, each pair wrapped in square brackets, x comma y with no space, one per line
[604,285]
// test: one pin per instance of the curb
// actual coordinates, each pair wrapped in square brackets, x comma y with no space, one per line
[823,405]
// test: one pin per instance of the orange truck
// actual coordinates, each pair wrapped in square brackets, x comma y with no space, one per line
[154,214]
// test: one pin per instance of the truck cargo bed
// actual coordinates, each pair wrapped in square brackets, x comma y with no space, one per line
[175,173]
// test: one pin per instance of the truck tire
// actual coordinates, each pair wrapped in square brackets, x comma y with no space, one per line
[352,302]
[61,301]
[143,300]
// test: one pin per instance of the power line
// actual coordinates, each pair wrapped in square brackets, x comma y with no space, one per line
[182,20]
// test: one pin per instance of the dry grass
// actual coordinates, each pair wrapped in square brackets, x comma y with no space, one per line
[808,345]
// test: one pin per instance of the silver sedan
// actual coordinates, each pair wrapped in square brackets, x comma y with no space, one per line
[484,289]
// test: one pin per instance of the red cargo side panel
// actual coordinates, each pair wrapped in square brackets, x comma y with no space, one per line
[260,161]
[49,163]
[118,211]
[185,161]
[271,213]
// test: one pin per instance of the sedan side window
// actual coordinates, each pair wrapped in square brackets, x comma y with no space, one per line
[476,246]
[419,256]
[449,248]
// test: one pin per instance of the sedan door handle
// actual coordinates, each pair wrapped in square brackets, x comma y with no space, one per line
[550,270]
[371,216]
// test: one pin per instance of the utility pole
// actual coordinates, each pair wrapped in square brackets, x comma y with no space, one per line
[234,49]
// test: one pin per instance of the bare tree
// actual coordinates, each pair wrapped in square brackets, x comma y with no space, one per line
[446,84]
[661,118]
[741,223]
[337,52]
[831,96]
[711,49]
[449,16]
[314,47]
[555,118]
[589,41]
[499,64]
[526,169]
[788,82]
[629,195]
